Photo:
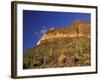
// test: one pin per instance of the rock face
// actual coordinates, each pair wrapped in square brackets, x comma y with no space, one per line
[77,29]
[68,46]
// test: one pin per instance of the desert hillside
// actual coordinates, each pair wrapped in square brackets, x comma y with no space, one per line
[61,47]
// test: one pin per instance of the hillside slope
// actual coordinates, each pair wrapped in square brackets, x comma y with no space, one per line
[61,47]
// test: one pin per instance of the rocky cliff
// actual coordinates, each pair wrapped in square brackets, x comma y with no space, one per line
[79,28]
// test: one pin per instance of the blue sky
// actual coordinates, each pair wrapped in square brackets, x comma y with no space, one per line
[36,23]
